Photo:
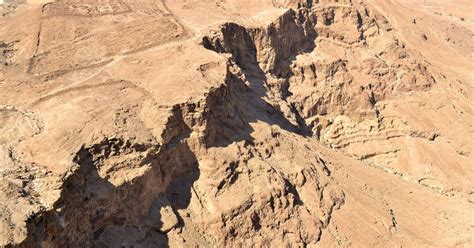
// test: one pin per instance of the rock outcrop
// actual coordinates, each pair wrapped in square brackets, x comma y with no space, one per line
[281,124]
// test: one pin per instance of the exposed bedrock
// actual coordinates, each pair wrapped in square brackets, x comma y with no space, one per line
[237,167]
[328,68]
[123,192]
[318,62]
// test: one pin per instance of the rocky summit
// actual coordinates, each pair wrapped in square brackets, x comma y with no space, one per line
[236,123]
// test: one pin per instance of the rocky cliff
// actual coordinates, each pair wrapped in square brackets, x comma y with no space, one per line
[269,124]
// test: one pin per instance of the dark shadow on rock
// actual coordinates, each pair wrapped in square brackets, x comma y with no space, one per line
[237,103]
[92,212]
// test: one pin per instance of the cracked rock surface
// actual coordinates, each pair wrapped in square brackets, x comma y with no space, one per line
[273,123]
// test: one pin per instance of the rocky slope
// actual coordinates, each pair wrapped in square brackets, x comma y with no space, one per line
[270,123]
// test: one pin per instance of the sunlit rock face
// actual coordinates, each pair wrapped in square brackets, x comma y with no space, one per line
[236,123]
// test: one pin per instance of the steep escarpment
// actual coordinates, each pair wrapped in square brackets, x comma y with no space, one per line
[324,61]
[116,187]
[250,180]
[286,123]
[329,69]
[186,185]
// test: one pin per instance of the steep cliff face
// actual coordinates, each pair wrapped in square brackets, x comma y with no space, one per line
[326,68]
[291,56]
[290,133]
[120,192]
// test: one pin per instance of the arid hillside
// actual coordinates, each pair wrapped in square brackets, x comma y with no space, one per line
[236,123]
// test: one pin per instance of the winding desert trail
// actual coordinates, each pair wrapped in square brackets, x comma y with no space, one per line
[236,123]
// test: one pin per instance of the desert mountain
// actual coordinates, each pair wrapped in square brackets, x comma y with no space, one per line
[236,123]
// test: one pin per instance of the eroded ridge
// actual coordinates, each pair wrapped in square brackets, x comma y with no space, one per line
[247,136]
[173,188]
[327,66]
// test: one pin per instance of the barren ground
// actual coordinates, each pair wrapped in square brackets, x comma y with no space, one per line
[236,123]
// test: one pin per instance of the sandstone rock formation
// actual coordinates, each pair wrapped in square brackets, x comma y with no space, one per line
[236,123]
